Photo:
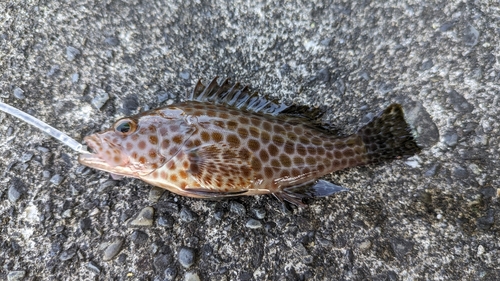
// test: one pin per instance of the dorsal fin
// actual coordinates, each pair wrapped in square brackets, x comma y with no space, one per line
[304,111]
[237,96]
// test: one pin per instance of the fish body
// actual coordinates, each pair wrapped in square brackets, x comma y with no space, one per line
[225,141]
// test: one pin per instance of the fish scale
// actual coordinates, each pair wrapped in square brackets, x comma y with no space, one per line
[226,141]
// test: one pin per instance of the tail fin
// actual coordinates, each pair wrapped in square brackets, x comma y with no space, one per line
[388,136]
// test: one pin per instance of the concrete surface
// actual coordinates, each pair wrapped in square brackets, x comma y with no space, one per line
[79,65]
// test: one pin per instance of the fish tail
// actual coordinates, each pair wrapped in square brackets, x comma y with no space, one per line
[388,136]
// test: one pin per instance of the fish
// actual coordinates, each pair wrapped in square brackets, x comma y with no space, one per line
[225,140]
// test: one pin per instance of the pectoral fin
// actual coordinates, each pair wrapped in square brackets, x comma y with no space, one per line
[220,169]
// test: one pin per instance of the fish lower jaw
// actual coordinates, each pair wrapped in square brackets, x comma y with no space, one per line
[94,161]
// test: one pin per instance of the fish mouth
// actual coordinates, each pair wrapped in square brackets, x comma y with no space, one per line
[96,160]
[93,158]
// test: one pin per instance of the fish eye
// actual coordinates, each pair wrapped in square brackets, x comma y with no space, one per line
[125,126]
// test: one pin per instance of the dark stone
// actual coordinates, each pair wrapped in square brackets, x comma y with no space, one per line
[245,276]
[207,251]
[162,96]
[187,215]
[165,221]
[19,93]
[72,53]
[427,64]
[186,256]
[446,26]
[450,138]
[185,75]
[459,103]
[470,36]
[487,221]
[284,69]
[392,276]
[139,237]
[93,267]
[56,179]
[68,254]
[432,171]
[162,262]
[324,75]
[113,249]
[170,273]
[85,224]
[130,104]
[385,87]
[54,71]
[15,191]
[488,192]
[460,172]
[401,247]
[237,208]
[128,59]
[112,41]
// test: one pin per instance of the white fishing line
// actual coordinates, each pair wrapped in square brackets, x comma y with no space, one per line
[67,140]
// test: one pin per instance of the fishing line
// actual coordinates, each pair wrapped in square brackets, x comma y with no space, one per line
[46,128]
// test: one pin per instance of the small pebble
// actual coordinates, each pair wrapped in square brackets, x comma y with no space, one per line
[237,208]
[67,255]
[253,224]
[56,179]
[219,214]
[184,75]
[144,218]
[170,273]
[323,75]
[16,275]
[432,170]
[93,267]
[139,237]
[155,193]
[470,36]
[165,221]
[162,96]
[42,149]
[162,262]
[186,257]
[18,93]
[450,139]
[259,213]
[480,250]
[104,186]
[112,41]
[100,98]
[75,77]
[54,70]
[113,249]
[427,64]
[14,193]
[67,214]
[460,172]
[86,224]
[191,276]
[186,215]
[46,174]
[365,245]
[72,53]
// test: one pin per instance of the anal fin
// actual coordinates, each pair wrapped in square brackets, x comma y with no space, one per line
[297,194]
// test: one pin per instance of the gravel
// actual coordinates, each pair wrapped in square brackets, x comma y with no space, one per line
[82,65]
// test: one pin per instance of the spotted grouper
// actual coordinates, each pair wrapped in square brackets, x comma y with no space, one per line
[226,141]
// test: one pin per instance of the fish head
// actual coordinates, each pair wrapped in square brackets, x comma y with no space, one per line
[137,146]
